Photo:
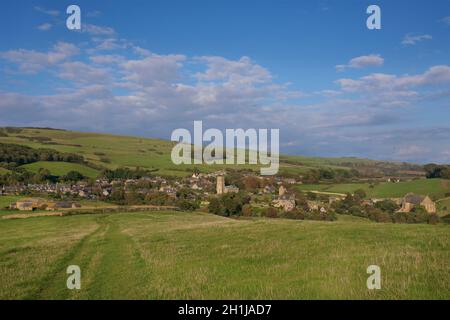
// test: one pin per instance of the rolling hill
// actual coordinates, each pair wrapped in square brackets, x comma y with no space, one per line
[58,168]
[436,188]
[113,151]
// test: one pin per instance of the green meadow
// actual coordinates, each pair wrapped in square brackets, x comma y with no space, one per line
[178,255]
[61,168]
[436,188]
[113,151]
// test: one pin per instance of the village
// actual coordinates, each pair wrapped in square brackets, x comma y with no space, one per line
[258,196]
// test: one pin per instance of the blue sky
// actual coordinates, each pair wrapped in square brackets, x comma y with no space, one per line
[310,68]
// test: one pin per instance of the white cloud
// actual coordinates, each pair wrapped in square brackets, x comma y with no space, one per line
[44,26]
[161,92]
[31,61]
[107,59]
[141,51]
[446,20]
[49,12]
[380,82]
[153,69]
[411,151]
[372,60]
[80,72]
[108,44]
[411,39]
[97,30]
[242,71]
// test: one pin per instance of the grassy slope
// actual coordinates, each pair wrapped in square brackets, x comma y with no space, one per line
[199,256]
[62,168]
[432,187]
[152,154]
[444,206]
[5,201]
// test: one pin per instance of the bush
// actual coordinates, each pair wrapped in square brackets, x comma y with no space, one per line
[188,205]
[247,210]
[378,215]
[387,206]
[228,204]
[433,218]
[73,176]
[271,213]
[294,214]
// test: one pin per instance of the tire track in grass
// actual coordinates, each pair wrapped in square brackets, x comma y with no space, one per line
[122,272]
[53,284]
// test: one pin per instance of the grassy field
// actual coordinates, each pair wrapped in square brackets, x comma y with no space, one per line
[61,168]
[432,187]
[176,255]
[444,206]
[112,151]
[5,201]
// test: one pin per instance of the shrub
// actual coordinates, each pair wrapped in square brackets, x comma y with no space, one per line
[247,210]
[295,214]
[271,213]
[433,218]
[387,205]
[228,204]
[378,215]
[188,205]
[73,176]
[360,193]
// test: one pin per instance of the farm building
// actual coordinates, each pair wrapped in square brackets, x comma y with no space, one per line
[28,204]
[411,200]
[32,204]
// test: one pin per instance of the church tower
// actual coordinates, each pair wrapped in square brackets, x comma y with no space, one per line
[220,187]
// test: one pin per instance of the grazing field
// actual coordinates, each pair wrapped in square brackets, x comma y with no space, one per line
[444,206]
[436,188]
[176,255]
[61,168]
[113,151]
[5,201]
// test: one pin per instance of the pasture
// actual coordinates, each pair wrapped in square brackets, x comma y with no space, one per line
[178,255]
[436,188]
[61,168]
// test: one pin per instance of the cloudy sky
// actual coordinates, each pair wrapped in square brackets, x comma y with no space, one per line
[310,68]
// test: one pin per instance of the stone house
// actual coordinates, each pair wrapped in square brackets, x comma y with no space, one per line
[284,202]
[411,200]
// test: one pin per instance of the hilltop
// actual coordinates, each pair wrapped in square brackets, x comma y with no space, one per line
[109,151]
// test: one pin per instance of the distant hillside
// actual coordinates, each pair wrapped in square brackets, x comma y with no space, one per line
[113,151]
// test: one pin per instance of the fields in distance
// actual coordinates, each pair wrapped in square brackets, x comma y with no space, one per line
[61,168]
[436,188]
[113,151]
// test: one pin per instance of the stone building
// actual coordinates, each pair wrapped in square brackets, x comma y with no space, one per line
[284,200]
[220,185]
[221,188]
[411,200]
[285,203]
[281,191]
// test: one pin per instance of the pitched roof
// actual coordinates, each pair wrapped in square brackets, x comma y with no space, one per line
[413,198]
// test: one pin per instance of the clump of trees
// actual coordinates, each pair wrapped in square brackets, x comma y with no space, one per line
[124,173]
[383,211]
[331,175]
[300,214]
[12,155]
[20,175]
[229,204]
[437,171]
